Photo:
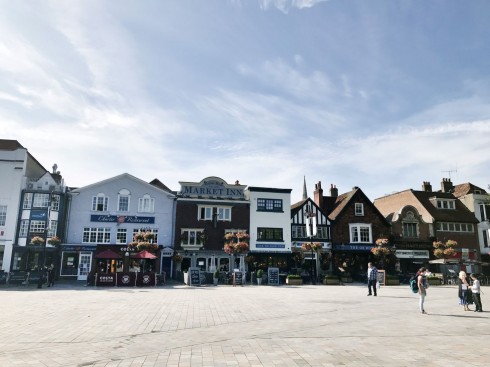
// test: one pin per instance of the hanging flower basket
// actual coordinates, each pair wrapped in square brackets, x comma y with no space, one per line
[241,247]
[382,241]
[311,246]
[36,240]
[148,236]
[229,249]
[444,249]
[138,236]
[55,241]
[146,246]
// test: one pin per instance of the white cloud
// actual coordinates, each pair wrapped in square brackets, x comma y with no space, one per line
[285,5]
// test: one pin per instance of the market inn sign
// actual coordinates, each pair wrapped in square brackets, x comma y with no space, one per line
[212,187]
[122,219]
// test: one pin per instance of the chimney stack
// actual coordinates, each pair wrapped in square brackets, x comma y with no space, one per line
[446,185]
[318,194]
[426,186]
[334,192]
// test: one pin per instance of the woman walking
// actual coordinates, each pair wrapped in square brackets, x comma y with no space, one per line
[463,287]
[422,286]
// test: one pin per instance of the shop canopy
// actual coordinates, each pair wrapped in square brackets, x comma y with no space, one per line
[144,255]
[108,254]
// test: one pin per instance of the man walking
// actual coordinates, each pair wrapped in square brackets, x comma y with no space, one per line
[372,276]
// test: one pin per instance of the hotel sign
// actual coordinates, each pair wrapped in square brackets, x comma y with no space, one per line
[122,219]
[212,187]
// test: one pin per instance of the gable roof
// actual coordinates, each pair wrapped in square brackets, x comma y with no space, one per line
[156,182]
[118,177]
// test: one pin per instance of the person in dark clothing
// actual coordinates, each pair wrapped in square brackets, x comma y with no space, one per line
[51,275]
[372,276]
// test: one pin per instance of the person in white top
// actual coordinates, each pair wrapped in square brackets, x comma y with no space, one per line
[475,289]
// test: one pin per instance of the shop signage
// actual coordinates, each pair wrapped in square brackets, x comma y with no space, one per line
[351,247]
[194,276]
[325,245]
[273,275]
[38,215]
[412,254]
[237,278]
[77,248]
[212,187]
[270,245]
[122,219]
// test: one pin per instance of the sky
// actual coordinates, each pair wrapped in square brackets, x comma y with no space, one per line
[382,95]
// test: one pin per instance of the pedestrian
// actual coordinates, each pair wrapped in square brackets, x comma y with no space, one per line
[372,276]
[51,276]
[475,289]
[422,286]
[463,287]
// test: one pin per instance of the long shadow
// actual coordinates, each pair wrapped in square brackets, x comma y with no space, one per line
[463,316]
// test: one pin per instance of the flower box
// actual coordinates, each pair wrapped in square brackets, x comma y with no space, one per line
[294,281]
[434,281]
[331,281]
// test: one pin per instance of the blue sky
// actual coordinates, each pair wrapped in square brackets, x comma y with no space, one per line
[377,94]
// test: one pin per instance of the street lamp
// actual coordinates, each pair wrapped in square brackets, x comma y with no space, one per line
[311,231]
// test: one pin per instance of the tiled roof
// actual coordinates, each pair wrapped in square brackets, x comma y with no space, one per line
[465,189]
[460,214]
[340,203]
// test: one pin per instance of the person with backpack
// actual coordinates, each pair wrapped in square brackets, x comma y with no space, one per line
[422,288]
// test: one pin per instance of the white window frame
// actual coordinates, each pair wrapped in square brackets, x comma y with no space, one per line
[122,236]
[53,228]
[146,204]
[24,228]
[96,235]
[27,204]
[123,194]
[359,209]
[40,200]
[100,203]
[193,237]
[206,212]
[37,226]
[357,227]
[55,202]
[452,227]
[446,204]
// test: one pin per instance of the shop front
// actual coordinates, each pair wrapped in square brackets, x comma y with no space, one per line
[124,266]
[353,259]
[31,258]
[76,261]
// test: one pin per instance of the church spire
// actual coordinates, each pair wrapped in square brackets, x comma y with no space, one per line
[305,194]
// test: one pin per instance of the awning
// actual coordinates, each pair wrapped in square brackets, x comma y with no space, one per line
[144,255]
[108,254]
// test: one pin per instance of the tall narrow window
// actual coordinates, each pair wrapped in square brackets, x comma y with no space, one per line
[27,201]
[146,204]
[3,214]
[55,202]
[359,209]
[123,201]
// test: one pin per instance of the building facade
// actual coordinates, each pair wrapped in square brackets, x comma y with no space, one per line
[206,211]
[108,215]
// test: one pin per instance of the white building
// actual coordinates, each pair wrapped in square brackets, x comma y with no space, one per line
[18,170]
[270,226]
[107,214]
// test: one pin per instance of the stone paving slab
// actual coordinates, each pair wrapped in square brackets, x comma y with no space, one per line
[175,325]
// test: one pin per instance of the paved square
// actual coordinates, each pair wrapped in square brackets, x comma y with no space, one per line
[176,325]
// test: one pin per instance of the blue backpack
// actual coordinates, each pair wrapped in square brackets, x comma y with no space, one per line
[413,285]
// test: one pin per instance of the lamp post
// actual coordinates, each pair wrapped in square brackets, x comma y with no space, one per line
[311,231]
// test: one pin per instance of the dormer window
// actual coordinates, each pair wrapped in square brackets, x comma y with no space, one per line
[446,204]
